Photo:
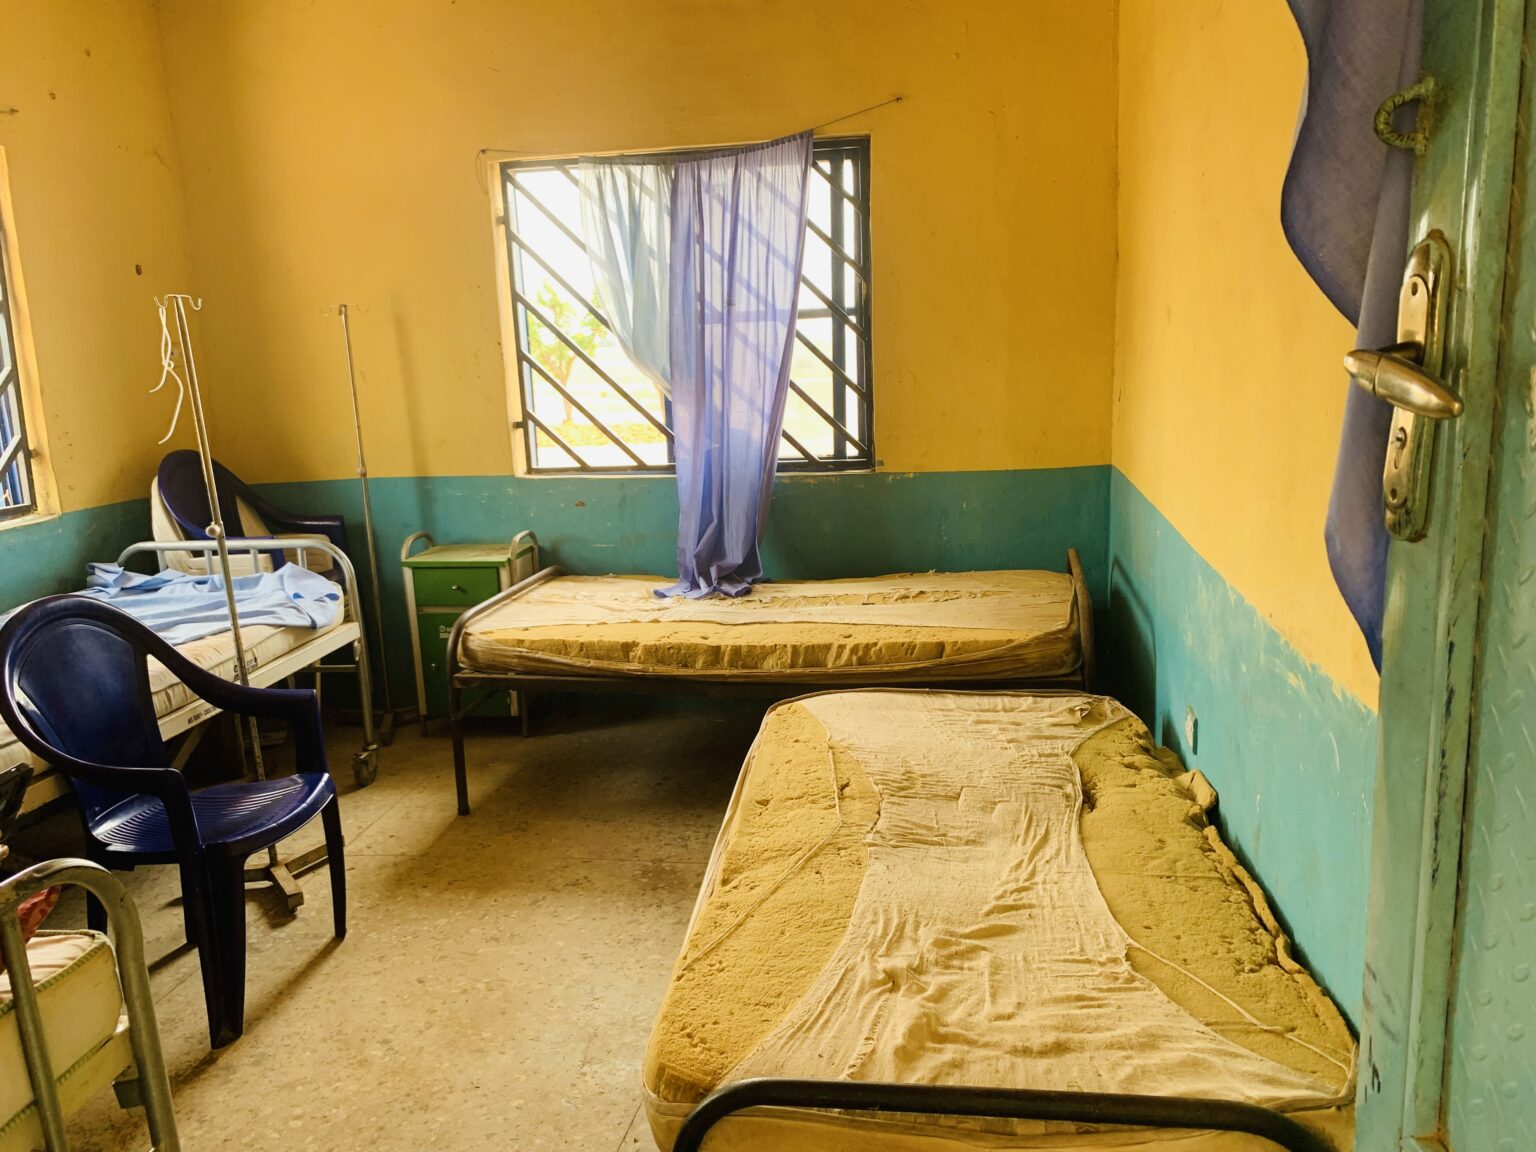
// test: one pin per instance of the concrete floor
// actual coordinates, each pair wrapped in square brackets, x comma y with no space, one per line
[501,970]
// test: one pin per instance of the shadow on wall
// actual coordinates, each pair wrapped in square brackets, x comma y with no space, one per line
[1130,636]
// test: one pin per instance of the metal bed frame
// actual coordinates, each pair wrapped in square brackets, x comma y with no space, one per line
[149,1087]
[462,678]
[1009,1103]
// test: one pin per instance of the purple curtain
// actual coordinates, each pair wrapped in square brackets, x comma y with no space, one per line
[738,237]
[1345,212]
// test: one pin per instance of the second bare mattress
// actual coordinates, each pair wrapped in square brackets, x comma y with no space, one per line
[1007,625]
[993,889]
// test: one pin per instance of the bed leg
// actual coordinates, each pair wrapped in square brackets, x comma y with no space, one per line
[456,733]
[525,718]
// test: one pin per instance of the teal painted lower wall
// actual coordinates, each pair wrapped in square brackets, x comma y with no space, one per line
[50,556]
[821,527]
[1292,756]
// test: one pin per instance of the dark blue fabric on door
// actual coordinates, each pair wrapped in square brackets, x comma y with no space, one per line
[1345,212]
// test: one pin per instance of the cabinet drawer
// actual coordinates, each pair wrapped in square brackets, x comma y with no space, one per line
[434,628]
[455,587]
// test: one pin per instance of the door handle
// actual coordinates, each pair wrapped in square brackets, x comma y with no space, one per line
[1395,375]
[1407,376]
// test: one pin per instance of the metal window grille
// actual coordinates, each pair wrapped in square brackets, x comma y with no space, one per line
[587,408]
[16,493]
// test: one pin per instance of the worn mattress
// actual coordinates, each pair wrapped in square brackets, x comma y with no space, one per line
[999,889]
[263,644]
[76,978]
[1012,625]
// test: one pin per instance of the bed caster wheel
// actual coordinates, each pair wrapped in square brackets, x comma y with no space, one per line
[365,767]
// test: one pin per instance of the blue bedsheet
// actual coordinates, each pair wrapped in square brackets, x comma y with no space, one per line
[183,607]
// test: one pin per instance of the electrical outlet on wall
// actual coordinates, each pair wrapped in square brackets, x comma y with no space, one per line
[1191,731]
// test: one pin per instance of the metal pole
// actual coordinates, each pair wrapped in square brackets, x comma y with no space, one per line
[373,551]
[276,871]
[34,1045]
[216,527]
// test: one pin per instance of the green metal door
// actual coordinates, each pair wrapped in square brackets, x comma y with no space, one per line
[1450,1008]
[1490,1084]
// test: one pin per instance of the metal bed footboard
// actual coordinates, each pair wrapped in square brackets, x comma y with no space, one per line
[365,762]
[1008,1103]
[150,1087]
[461,678]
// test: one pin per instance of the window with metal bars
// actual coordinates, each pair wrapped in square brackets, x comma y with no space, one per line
[16,493]
[586,408]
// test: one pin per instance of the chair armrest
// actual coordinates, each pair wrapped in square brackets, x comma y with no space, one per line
[164,783]
[299,706]
[281,522]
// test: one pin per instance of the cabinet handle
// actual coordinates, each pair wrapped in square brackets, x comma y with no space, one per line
[457,587]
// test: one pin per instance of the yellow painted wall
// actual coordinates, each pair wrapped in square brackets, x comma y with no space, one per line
[1228,391]
[328,152]
[99,229]
[331,155]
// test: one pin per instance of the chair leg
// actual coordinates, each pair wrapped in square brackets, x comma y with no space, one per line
[226,1020]
[456,731]
[335,851]
[199,914]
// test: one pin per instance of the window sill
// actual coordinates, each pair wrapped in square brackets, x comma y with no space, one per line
[29,519]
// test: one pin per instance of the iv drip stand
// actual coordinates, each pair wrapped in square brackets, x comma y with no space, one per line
[276,872]
[387,728]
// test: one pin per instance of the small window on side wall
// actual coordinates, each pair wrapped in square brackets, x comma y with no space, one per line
[586,408]
[17,494]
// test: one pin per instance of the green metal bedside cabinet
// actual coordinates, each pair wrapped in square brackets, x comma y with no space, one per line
[443,582]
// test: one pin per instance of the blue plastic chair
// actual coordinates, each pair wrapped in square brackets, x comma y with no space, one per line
[185,496]
[74,688]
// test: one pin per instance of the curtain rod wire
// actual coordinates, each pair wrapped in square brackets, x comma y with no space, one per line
[860,112]
[482,153]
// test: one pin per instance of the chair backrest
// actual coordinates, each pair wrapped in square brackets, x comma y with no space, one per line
[74,687]
[164,528]
[185,496]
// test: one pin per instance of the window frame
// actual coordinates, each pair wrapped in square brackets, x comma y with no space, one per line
[848,272]
[11,383]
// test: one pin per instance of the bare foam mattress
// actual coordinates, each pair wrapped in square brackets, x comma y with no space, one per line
[992,889]
[1008,625]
